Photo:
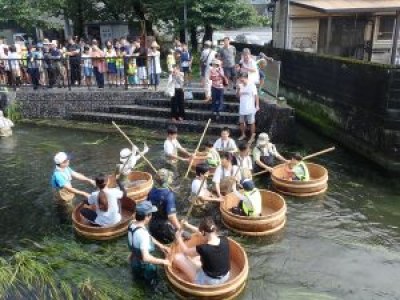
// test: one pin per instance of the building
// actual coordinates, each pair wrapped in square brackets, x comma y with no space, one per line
[360,29]
[261,6]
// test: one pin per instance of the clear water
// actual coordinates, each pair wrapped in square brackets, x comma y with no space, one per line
[342,245]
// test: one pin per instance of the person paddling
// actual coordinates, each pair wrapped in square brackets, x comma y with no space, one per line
[297,169]
[5,125]
[265,153]
[202,172]
[62,177]
[250,204]
[164,223]
[128,160]
[106,210]
[142,245]
[226,175]
[213,265]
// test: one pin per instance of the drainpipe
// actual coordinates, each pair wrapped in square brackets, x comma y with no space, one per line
[328,35]
[395,38]
[286,37]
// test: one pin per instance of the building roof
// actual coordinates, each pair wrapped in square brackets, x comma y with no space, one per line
[349,6]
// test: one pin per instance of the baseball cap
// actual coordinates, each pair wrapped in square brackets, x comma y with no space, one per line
[145,208]
[60,157]
[248,184]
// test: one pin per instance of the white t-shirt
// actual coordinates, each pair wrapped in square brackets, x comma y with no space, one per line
[112,215]
[14,63]
[196,183]
[245,162]
[228,145]
[254,77]
[247,93]
[171,147]
[221,173]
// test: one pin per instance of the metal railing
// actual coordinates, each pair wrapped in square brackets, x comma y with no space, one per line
[101,72]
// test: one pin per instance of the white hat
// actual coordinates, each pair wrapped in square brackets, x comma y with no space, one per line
[60,157]
[216,62]
[125,154]
[263,139]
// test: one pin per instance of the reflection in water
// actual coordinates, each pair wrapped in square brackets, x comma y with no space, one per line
[341,245]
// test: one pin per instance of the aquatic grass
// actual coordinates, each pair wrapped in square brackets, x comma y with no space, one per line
[58,268]
[13,111]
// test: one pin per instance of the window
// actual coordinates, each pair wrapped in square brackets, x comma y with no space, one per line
[386,25]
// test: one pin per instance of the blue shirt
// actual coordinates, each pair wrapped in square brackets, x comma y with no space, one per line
[164,200]
[61,178]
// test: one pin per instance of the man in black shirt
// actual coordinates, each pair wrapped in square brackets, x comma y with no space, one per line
[74,54]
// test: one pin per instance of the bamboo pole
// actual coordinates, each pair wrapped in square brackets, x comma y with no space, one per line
[133,145]
[318,153]
[198,146]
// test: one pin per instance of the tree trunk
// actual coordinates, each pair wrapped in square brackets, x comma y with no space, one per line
[208,32]
[193,39]
[182,35]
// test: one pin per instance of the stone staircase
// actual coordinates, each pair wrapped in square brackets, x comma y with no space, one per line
[153,110]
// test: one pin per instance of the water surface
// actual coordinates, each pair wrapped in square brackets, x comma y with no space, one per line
[342,245]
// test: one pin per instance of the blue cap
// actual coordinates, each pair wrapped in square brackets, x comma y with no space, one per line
[248,185]
[145,208]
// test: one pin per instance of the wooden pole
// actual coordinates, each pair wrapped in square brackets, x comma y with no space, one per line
[198,146]
[395,38]
[318,153]
[260,173]
[197,194]
[133,145]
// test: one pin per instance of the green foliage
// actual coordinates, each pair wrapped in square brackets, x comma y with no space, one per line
[13,111]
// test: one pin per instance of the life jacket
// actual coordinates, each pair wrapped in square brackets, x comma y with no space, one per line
[247,205]
[301,172]
[213,158]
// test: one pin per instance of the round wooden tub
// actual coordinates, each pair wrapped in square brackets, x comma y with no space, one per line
[272,220]
[104,233]
[229,290]
[199,159]
[317,184]
[137,192]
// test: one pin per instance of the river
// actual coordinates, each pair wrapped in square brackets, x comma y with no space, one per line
[342,245]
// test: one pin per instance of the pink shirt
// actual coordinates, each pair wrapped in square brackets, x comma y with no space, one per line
[216,75]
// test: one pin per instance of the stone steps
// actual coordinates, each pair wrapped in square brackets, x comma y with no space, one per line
[149,121]
[165,112]
[189,104]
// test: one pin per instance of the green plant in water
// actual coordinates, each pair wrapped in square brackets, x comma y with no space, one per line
[13,111]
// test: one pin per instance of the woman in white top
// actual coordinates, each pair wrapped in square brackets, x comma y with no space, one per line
[202,171]
[226,175]
[175,90]
[225,143]
[154,64]
[207,56]
[106,210]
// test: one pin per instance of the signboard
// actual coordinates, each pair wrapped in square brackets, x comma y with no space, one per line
[272,77]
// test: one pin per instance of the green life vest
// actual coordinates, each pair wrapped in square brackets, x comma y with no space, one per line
[246,204]
[301,172]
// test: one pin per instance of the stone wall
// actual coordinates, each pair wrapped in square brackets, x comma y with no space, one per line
[60,103]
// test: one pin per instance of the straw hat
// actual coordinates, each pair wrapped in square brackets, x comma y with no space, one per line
[263,139]
[155,45]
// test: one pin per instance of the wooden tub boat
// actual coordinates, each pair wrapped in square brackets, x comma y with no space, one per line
[199,159]
[272,220]
[228,290]
[142,183]
[317,184]
[104,233]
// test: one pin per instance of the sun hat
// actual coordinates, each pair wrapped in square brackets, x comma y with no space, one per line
[154,45]
[60,157]
[145,208]
[263,139]
[216,62]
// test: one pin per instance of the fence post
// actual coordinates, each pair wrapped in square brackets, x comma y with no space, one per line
[68,74]
[126,71]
